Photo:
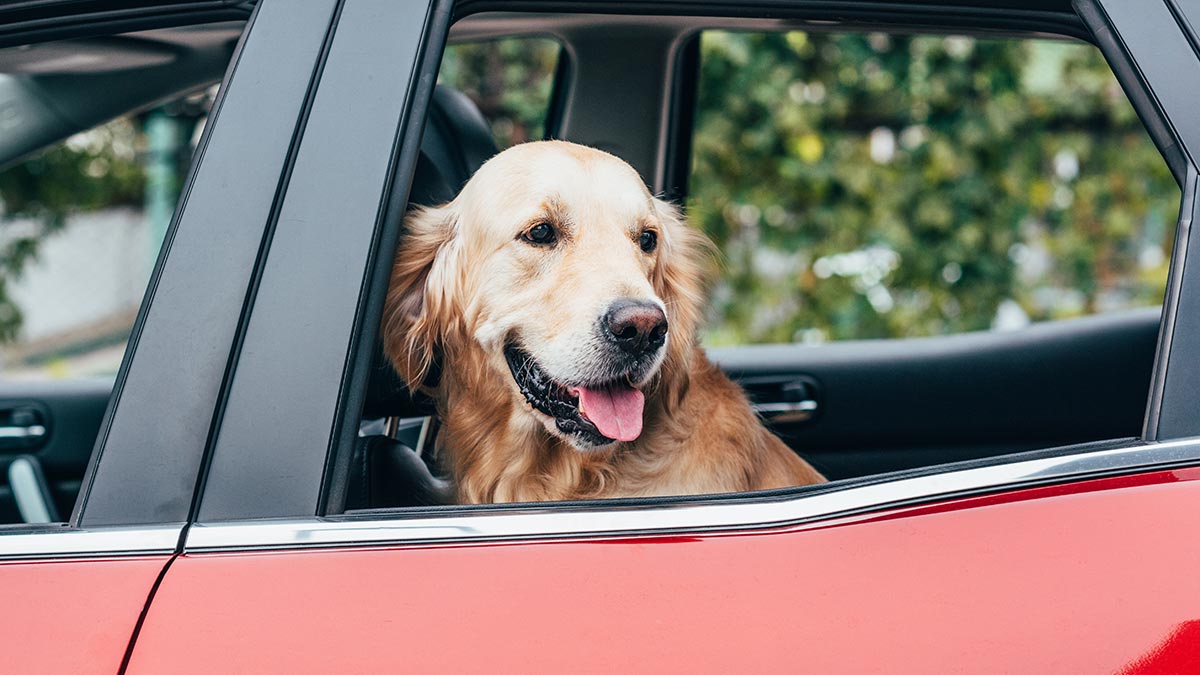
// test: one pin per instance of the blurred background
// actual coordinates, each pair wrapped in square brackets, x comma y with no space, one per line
[81,225]
[857,186]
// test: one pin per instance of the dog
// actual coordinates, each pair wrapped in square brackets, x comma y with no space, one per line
[560,302]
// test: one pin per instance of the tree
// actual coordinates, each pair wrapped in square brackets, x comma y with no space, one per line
[889,186]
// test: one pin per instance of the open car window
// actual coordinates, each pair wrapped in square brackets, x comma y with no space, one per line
[880,185]
[877,185]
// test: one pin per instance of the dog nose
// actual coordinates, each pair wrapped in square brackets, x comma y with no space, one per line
[636,327]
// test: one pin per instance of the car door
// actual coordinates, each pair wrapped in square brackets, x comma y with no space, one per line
[75,590]
[1075,559]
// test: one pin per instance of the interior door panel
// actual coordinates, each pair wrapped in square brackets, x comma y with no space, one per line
[68,413]
[886,405]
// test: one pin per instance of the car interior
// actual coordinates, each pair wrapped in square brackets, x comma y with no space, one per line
[854,408]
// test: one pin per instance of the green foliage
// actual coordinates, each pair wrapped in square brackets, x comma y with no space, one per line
[89,171]
[877,186]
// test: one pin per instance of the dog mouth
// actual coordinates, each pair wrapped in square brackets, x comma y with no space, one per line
[595,414]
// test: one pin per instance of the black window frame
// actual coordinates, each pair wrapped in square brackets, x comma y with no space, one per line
[1139,40]
[264,458]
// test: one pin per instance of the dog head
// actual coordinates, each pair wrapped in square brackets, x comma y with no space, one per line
[556,271]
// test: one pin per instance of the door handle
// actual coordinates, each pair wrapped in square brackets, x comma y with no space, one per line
[808,407]
[787,401]
[31,431]
[23,428]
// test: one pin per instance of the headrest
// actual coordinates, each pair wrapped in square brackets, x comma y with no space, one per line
[457,141]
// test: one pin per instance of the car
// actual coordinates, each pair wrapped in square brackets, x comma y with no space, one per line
[261,494]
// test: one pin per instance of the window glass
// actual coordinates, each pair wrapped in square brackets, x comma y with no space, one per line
[511,80]
[885,186]
[80,230]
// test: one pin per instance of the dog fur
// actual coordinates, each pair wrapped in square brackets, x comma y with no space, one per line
[465,283]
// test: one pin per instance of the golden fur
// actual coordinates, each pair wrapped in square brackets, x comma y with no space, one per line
[464,283]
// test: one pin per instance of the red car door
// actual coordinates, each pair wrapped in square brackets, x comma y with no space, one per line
[77,615]
[1079,559]
[1089,577]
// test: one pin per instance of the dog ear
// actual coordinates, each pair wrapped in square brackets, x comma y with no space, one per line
[684,263]
[414,316]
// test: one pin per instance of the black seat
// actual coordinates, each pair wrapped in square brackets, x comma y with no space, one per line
[386,472]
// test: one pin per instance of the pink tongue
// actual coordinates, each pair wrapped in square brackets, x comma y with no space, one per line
[616,411]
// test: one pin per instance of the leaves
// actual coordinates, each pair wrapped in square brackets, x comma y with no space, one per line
[996,172]
[89,171]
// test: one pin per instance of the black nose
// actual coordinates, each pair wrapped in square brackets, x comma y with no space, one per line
[636,327]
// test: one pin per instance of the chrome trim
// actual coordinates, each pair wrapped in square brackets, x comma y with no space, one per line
[31,431]
[561,520]
[18,543]
[787,412]
[808,405]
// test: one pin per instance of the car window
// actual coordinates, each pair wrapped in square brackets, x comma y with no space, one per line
[854,186]
[886,186]
[82,225]
[510,80]
[83,215]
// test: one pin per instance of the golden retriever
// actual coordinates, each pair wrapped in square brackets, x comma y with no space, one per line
[560,300]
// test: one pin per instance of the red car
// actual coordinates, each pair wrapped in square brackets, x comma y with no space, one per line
[258,497]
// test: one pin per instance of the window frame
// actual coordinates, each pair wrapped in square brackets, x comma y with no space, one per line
[814,505]
[1139,40]
[252,522]
[263,457]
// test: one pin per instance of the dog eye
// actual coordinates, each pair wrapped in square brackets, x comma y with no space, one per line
[648,241]
[542,233]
